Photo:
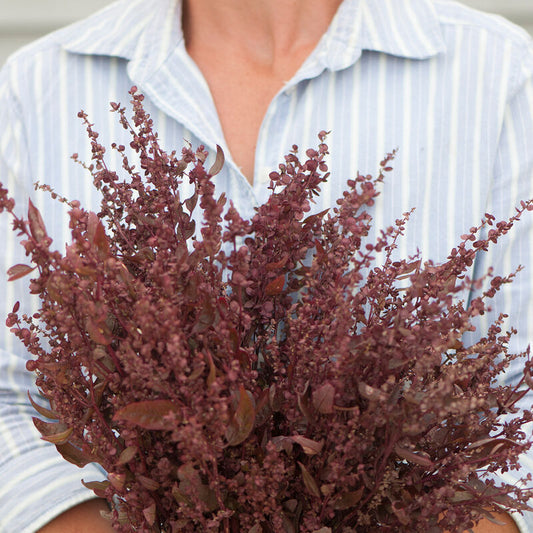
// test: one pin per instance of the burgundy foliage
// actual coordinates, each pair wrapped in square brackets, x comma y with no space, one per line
[265,375]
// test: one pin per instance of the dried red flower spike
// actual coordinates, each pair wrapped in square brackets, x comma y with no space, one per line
[247,388]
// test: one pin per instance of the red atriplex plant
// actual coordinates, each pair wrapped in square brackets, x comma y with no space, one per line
[264,375]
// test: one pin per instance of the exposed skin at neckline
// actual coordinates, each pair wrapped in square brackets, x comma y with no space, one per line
[247,51]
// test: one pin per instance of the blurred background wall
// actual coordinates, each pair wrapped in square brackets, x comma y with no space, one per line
[22,21]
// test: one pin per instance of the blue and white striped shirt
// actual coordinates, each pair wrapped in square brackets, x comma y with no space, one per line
[449,86]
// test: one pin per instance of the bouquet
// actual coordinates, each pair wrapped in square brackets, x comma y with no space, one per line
[265,375]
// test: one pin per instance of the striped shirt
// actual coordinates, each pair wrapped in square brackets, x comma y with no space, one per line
[450,87]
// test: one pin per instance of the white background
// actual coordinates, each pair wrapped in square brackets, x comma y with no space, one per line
[22,21]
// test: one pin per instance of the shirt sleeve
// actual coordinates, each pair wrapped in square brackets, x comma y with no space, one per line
[37,483]
[513,183]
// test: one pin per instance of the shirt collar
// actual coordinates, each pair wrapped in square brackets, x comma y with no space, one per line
[403,28]
[145,33]
[140,31]
[148,34]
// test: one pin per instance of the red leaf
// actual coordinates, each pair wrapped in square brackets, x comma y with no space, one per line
[144,255]
[476,486]
[275,287]
[43,411]
[323,398]
[148,414]
[304,403]
[58,438]
[310,447]
[461,496]
[19,271]
[413,457]
[492,440]
[180,496]
[147,482]
[219,162]
[37,227]
[207,495]
[97,235]
[400,513]
[313,219]
[320,252]
[205,319]
[212,371]
[127,455]
[117,480]
[486,448]
[283,443]
[289,524]
[98,487]
[188,229]
[274,398]
[527,374]
[348,499]
[371,393]
[48,429]
[98,332]
[74,455]
[54,287]
[309,481]
[243,420]
[191,202]
[278,264]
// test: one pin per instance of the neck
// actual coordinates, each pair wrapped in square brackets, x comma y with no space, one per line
[262,31]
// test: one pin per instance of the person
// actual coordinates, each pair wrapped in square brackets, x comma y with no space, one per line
[448,86]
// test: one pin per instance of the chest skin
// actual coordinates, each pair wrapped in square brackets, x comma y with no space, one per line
[242,90]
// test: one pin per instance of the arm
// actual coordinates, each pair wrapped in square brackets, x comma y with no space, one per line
[486,526]
[84,518]
[37,484]
[513,182]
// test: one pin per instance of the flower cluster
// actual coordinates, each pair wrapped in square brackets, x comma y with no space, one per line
[265,375]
